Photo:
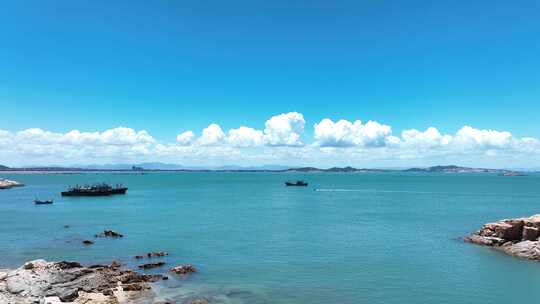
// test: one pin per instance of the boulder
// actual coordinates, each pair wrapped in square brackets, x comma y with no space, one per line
[517,237]
[68,295]
[151,265]
[68,281]
[508,230]
[157,254]
[530,233]
[183,269]
[110,233]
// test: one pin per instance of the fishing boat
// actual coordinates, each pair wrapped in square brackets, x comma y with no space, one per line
[40,202]
[95,190]
[298,183]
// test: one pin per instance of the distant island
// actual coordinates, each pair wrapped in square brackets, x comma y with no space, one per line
[158,167]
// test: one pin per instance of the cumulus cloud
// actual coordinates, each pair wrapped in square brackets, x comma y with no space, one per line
[431,137]
[489,139]
[186,138]
[113,137]
[212,135]
[344,133]
[334,142]
[284,129]
[245,137]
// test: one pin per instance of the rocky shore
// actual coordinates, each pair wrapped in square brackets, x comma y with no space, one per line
[7,184]
[517,237]
[40,281]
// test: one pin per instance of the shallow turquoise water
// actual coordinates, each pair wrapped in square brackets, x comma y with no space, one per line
[364,238]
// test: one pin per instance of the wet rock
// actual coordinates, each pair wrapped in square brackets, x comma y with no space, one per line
[66,226]
[28,266]
[108,292]
[116,264]
[88,242]
[68,295]
[63,265]
[68,281]
[183,269]
[154,277]
[151,265]
[530,233]
[517,237]
[135,287]
[157,254]
[138,257]
[199,301]
[109,233]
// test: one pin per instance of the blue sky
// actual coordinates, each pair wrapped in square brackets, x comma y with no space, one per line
[171,66]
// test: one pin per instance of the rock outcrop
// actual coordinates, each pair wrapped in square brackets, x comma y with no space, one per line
[517,237]
[40,281]
[109,233]
[183,269]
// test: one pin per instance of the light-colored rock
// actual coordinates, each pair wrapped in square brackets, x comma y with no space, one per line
[66,282]
[517,237]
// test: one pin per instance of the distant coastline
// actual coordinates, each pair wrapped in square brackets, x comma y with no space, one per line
[140,169]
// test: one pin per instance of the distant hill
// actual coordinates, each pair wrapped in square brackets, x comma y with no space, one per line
[454,169]
[335,169]
[266,168]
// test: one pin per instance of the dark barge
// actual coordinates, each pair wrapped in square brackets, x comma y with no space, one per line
[95,190]
[298,183]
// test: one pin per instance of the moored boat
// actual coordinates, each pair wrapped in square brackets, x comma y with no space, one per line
[95,190]
[298,183]
[40,202]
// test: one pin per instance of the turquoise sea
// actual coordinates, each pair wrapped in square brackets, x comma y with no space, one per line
[389,238]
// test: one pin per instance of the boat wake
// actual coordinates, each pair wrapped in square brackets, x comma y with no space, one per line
[420,192]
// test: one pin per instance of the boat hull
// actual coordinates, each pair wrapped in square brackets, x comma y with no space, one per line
[296,184]
[95,193]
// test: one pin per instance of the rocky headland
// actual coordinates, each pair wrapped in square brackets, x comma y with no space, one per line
[517,237]
[40,281]
[7,184]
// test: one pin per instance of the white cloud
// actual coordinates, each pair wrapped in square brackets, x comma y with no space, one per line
[245,137]
[426,139]
[186,138]
[284,129]
[489,139]
[114,137]
[344,133]
[212,136]
[334,143]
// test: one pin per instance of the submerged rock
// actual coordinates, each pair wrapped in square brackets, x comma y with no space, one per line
[157,254]
[110,233]
[88,242]
[517,237]
[151,265]
[183,269]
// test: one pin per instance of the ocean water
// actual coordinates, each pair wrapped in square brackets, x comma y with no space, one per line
[360,238]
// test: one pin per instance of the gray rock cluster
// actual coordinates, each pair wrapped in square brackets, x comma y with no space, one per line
[517,237]
[40,281]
